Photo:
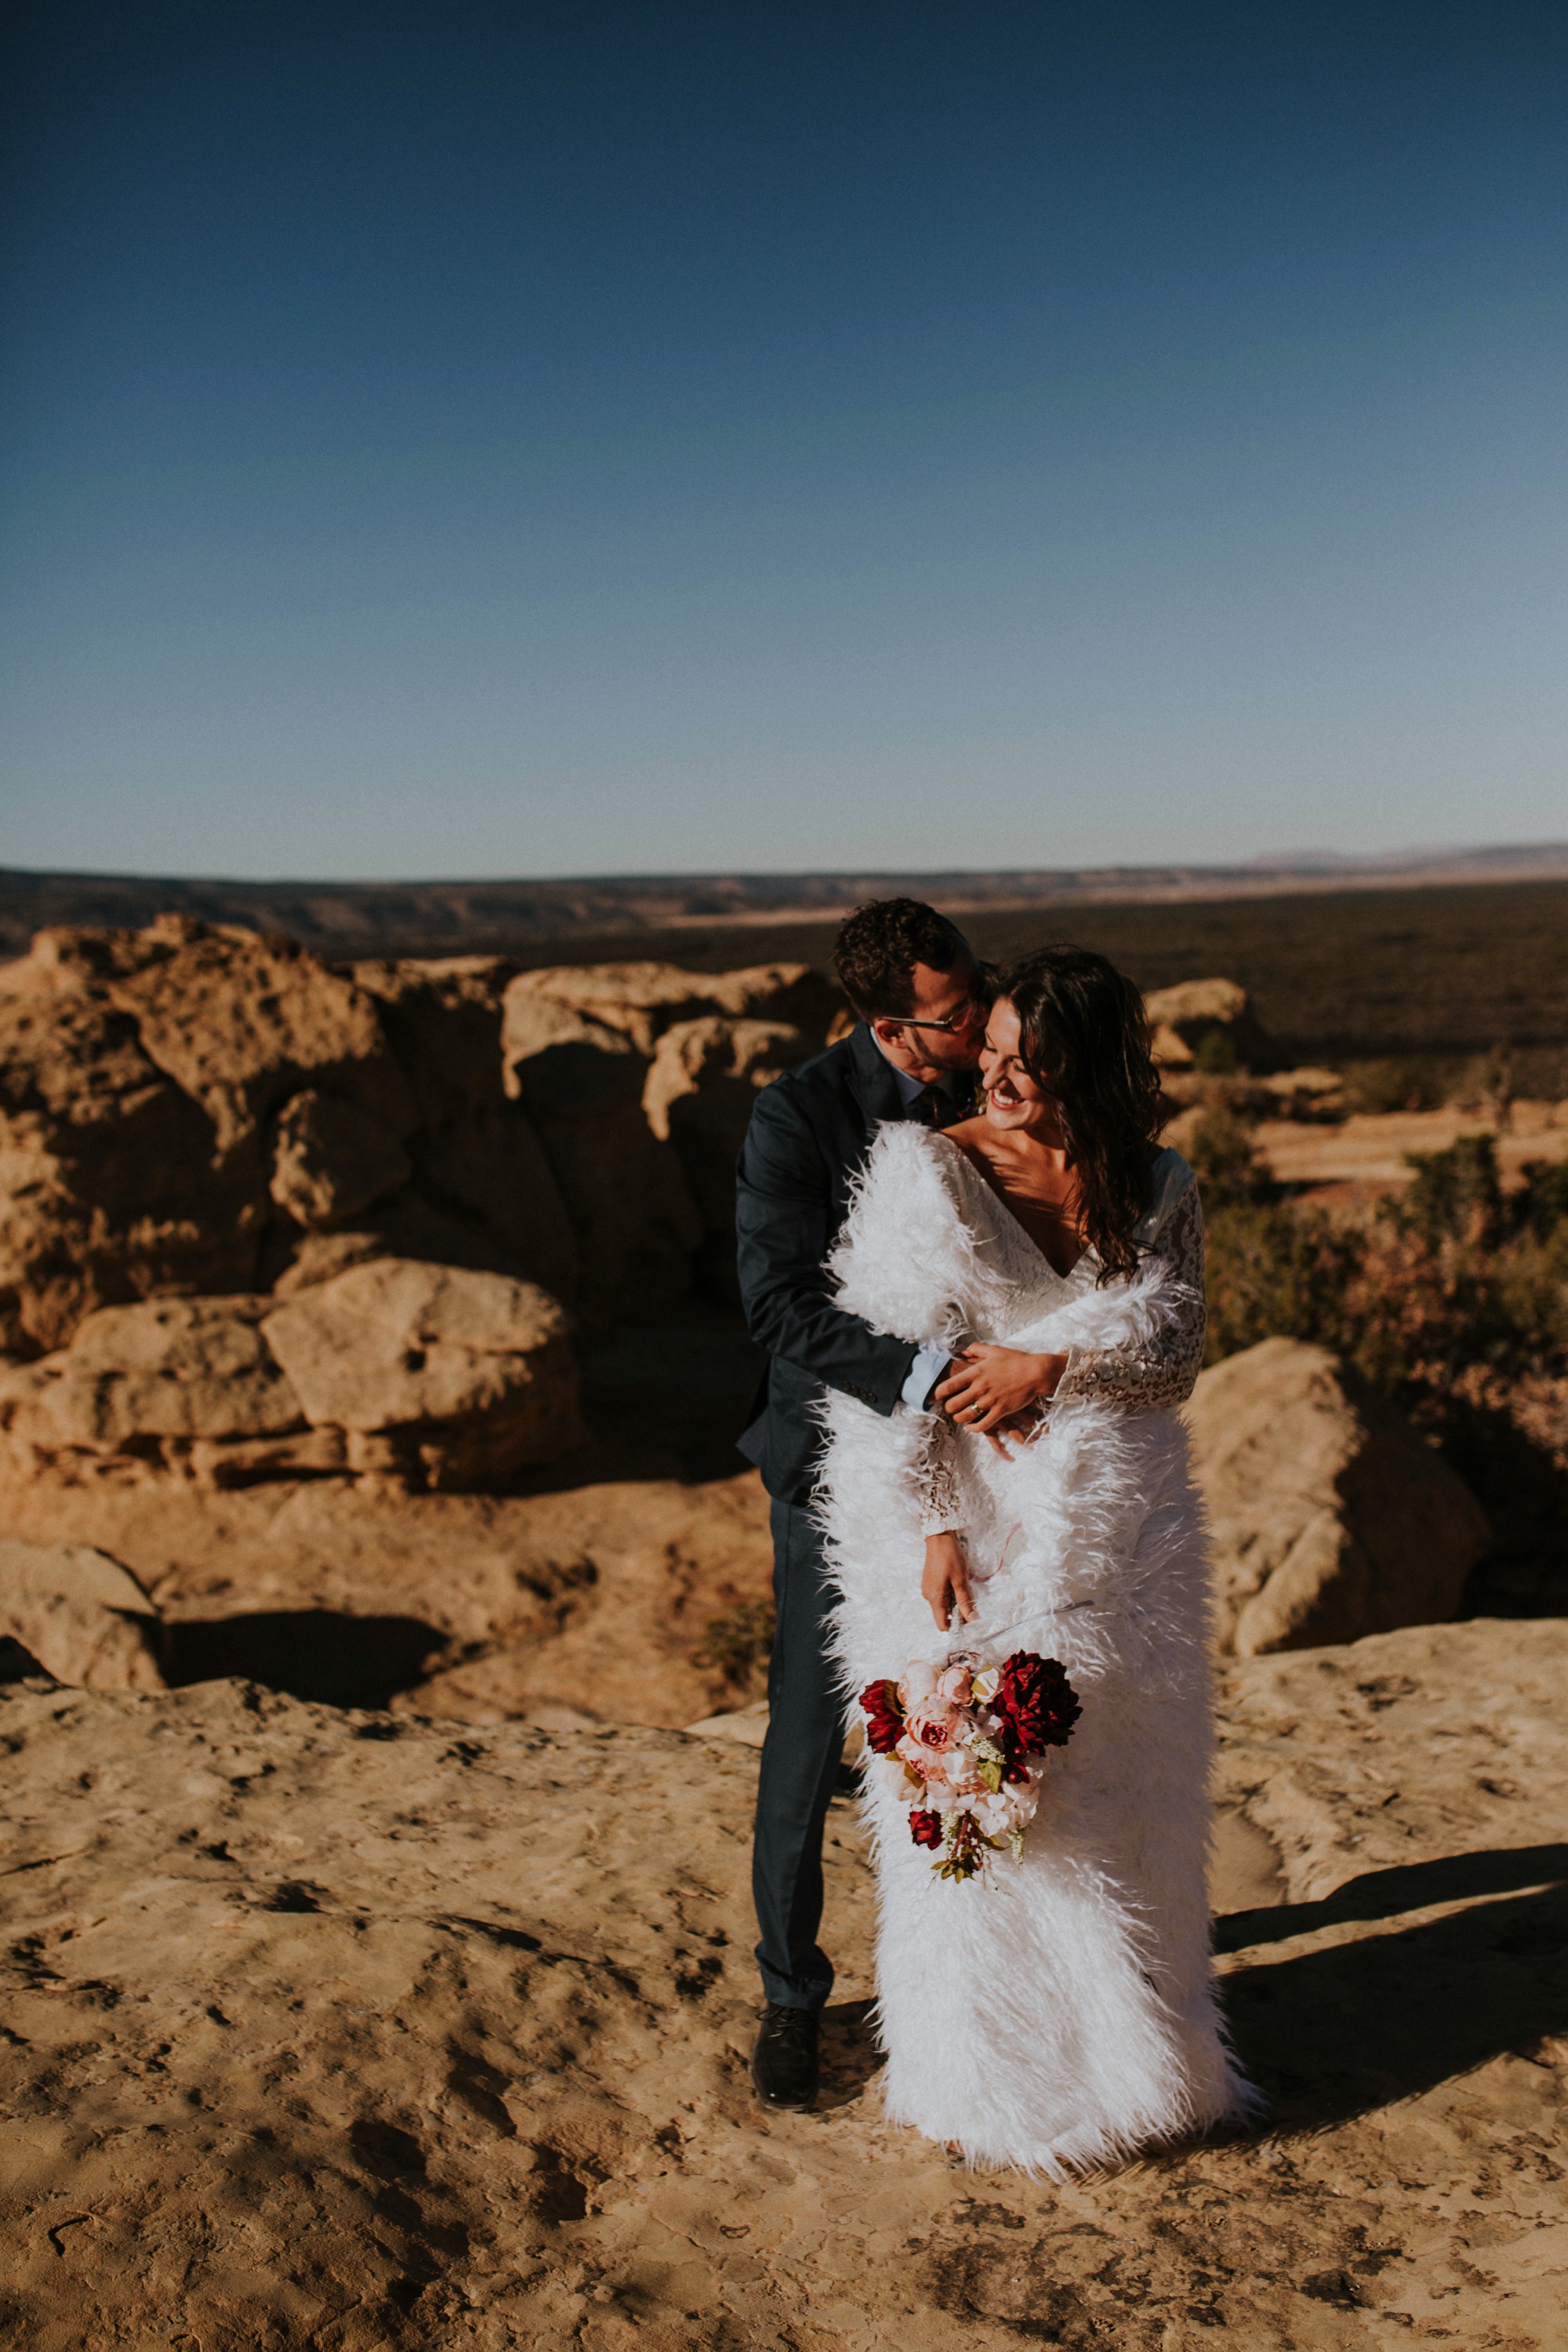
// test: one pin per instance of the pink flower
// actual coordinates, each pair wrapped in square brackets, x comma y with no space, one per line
[954,1685]
[934,1723]
[918,1681]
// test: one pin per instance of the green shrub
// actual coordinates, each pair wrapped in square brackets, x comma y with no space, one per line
[1453,1275]
[1230,1170]
[1389,1086]
[1455,1195]
[1214,1056]
[739,1643]
[1541,1206]
[1276,1272]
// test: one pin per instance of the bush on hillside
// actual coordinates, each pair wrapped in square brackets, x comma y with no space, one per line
[1453,1275]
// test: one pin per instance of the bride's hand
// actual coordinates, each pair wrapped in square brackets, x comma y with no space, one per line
[945,1584]
[989,1386]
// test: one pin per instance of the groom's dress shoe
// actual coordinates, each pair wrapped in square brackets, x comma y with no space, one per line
[783,2063]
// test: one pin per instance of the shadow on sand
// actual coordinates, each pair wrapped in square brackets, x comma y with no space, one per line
[1333,2033]
[311,1653]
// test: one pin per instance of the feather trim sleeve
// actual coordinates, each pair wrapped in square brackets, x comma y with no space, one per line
[907,1259]
[1162,1369]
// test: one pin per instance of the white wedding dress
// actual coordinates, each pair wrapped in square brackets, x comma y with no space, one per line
[1058,2013]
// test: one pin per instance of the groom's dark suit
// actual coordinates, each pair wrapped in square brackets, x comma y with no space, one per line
[809,1136]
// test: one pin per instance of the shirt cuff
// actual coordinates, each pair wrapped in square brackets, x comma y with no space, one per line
[924,1373]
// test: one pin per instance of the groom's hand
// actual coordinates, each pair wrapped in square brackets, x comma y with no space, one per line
[988,1387]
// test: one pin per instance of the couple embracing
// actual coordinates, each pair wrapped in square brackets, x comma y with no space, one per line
[980,1287]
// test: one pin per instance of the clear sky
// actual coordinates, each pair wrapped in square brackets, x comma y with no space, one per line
[470,439]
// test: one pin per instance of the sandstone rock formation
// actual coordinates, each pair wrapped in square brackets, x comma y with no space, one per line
[1196,1014]
[435,1376]
[697,1095]
[82,1617]
[438,1375]
[328,2030]
[601,1056]
[478,1164]
[1329,1518]
[139,1074]
[196,1109]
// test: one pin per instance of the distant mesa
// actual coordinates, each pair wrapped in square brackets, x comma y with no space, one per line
[343,919]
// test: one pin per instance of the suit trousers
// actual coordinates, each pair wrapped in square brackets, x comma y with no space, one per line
[799,1766]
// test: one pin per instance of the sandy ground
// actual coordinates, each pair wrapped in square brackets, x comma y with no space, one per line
[587,1598]
[340,2030]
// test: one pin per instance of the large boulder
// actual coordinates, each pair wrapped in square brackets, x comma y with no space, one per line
[439,1376]
[241,1022]
[141,1074]
[433,1375]
[82,1616]
[187,1386]
[641,1001]
[1329,1518]
[109,1188]
[1205,1021]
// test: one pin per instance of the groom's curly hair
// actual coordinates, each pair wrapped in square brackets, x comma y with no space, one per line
[1086,1042]
[878,947]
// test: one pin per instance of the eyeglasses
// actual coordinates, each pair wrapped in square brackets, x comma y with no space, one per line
[958,1020]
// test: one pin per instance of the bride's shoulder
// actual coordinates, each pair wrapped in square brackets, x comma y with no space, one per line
[918,1161]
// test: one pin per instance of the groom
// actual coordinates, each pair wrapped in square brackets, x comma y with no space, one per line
[920,995]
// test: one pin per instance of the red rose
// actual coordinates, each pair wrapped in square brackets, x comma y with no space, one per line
[925,1827]
[1036,1703]
[884,1716]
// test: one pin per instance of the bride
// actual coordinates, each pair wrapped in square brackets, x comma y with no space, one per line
[1060,2011]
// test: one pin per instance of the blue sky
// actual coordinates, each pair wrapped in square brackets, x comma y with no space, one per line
[471,440]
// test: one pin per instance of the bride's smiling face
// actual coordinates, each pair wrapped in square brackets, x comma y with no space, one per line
[1013,1100]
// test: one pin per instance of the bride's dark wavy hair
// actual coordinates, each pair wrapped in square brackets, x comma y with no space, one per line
[1084,1040]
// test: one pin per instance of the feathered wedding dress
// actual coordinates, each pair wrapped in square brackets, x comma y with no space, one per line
[1059,2013]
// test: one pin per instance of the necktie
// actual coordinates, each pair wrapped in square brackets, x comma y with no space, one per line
[930,1105]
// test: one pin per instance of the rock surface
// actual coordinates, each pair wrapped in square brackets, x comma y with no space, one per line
[440,1375]
[433,1375]
[699,1093]
[640,1077]
[1329,1518]
[328,2031]
[192,1109]
[82,1616]
[1196,1012]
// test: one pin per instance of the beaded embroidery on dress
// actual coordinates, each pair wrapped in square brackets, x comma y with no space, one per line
[1064,2014]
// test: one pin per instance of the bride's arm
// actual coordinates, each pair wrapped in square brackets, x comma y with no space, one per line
[936,1473]
[945,1585]
[1165,1369]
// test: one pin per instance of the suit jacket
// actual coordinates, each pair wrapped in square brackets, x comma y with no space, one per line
[808,1139]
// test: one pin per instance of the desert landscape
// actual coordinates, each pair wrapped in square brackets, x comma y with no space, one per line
[385,1611]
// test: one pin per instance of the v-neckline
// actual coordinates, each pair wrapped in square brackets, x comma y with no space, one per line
[994,1196]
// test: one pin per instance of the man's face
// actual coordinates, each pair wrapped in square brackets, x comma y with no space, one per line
[950,1001]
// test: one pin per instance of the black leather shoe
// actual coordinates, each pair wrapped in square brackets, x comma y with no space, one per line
[783,2063]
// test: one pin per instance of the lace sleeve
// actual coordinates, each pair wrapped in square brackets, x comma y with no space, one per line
[941,1507]
[1164,1371]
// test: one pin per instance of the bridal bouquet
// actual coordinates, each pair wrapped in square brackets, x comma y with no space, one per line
[964,1749]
